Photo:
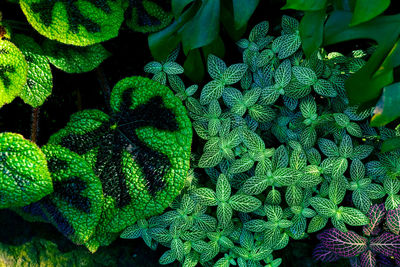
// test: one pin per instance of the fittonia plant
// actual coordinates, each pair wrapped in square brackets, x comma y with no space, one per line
[379,243]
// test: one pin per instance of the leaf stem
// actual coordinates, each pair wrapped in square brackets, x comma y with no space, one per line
[35,124]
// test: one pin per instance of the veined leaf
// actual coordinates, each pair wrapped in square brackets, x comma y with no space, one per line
[323,206]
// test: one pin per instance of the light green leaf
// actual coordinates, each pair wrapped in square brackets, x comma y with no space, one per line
[210,158]
[204,196]
[224,213]
[244,203]
[241,165]
[354,217]
[317,223]
[39,80]
[325,88]
[233,73]
[215,66]
[323,206]
[24,177]
[304,75]
[223,189]
[212,90]
[337,189]
[255,185]
[14,71]
[172,68]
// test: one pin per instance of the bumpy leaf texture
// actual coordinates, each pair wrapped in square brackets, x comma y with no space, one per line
[24,177]
[140,153]
[148,16]
[75,206]
[77,22]
[376,214]
[368,259]
[387,244]
[347,244]
[13,72]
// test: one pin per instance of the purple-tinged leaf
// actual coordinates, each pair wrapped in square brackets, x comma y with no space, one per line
[321,253]
[387,244]
[368,259]
[393,221]
[347,244]
[376,214]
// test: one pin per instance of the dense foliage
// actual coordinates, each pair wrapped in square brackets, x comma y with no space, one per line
[293,142]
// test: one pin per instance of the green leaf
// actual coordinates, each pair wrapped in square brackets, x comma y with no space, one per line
[387,108]
[325,88]
[261,113]
[244,203]
[259,31]
[24,177]
[366,10]
[280,159]
[72,176]
[74,59]
[81,23]
[288,44]
[308,137]
[283,74]
[328,147]
[294,195]
[304,75]
[341,119]
[256,226]
[241,165]
[13,69]
[172,68]
[305,5]
[354,129]
[255,185]
[210,158]
[234,73]
[346,147]
[178,6]
[390,144]
[205,196]
[193,33]
[224,213]
[274,213]
[242,11]
[323,206]
[193,65]
[286,176]
[223,190]
[354,217]
[252,140]
[308,107]
[167,258]
[212,90]
[39,80]
[361,200]
[215,66]
[317,223]
[337,190]
[339,167]
[153,67]
[311,30]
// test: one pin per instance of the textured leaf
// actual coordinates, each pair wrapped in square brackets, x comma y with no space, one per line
[224,213]
[289,43]
[210,158]
[241,165]
[212,90]
[73,59]
[368,259]
[75,22]
[13,72]
[234,73]
[376,214]
[328,147]
[347,244]
[337,190]
[304,75]
[393,221]
[172,68]
[24,177]
[39,80]
[205,196]
[323,206]
[244,203]
[324,88]
[317,223]
[387,244]
[215,66]
[223,190]
[354,217]
[77,202]
[283,74]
